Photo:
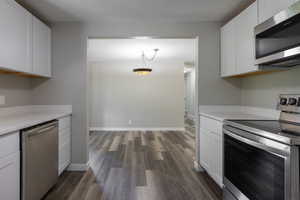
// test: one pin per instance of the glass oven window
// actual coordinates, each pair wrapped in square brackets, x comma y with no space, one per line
[279,38]
[259,175]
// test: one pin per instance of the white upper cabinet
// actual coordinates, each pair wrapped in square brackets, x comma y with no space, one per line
[238,44]
[228,57]
[268,8]
[245,40]
[15,37]
[25,41]
[41,48]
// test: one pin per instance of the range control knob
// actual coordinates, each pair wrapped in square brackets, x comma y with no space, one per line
[283,101]
[293,101]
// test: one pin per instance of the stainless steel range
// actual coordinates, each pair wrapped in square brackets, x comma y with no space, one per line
[261,158]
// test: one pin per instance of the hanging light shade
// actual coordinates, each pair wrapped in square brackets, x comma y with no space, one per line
[142,71]
[146,70]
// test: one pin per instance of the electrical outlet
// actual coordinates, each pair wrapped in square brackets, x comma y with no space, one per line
[2,100]
[130,122]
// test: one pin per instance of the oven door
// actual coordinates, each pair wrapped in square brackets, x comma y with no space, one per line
[255,168]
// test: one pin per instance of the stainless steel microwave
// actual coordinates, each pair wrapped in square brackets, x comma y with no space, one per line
[278,39]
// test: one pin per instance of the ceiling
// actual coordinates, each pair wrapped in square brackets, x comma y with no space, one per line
[135,10]
[131,49]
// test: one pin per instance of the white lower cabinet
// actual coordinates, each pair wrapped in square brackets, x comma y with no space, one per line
[64,143]
[217,158]
[10,167]
[204,149]
[10,177]
[211,148]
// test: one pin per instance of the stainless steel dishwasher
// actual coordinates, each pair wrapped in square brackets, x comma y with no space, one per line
[39,160]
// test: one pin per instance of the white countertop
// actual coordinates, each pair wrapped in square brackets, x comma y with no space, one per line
[222,113]
[17,118]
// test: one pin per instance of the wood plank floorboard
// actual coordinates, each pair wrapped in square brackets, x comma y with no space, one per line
[138,166]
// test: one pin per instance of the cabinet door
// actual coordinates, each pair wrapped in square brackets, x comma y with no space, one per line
[64,154]
[228,58]
[15,37]
[10,177]
[268,8]
[216,148]
[204,149]
[64,142]
[41,48]
[245,45]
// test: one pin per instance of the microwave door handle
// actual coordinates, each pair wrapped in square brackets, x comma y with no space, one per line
[272,150]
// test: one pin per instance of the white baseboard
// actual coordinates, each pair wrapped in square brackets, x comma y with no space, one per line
[137,129]
[78,167]
[198,167]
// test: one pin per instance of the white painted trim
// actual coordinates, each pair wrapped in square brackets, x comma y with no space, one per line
[136,129]
[198,167]
[78,167]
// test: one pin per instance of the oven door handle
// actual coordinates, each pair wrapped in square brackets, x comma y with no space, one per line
[267,145]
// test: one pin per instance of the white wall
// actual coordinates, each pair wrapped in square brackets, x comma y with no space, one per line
[16,89]
[212,89]
[69,82]
[190,93]
[263,90]
[117,95]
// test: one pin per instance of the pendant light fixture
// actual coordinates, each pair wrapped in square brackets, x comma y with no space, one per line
[146,70]
[142,71]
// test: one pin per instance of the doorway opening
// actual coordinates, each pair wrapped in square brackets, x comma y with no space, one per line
[142,123]
[121,98]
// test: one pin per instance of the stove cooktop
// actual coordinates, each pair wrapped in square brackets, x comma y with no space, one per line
[281,131]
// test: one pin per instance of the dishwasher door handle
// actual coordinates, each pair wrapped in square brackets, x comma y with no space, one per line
[41,131]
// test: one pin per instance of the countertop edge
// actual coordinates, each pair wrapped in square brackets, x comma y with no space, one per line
[51,116]
[211,116]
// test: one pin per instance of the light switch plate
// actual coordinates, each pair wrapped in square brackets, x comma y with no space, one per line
[2,100]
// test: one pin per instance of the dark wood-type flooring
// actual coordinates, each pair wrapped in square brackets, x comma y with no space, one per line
[138,166]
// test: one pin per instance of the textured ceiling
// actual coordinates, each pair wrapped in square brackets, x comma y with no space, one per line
[135,10]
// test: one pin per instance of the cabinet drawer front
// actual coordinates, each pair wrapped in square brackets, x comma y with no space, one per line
[10,177]
[9,144]
[211,125]
[64,123]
